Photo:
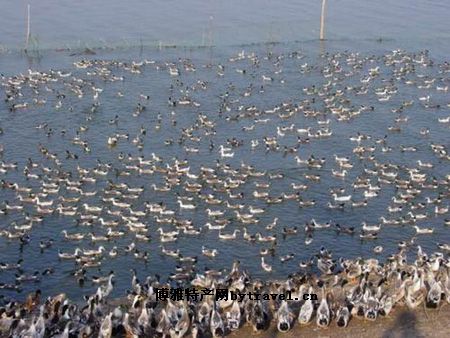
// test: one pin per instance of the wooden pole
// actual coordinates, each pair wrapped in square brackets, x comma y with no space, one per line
[322,20]
[210,30]
[28,27]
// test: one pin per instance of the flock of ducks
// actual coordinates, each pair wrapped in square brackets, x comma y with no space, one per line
[110,207]
[362,288]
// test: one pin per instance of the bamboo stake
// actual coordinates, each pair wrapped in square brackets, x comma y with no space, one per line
[322,20]
[28,27]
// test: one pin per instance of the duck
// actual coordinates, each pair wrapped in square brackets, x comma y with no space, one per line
[318,225]
[368,235]
[273,224]
[444,247]
[287,258]
[441,210]
[306,310]
[99,238]
[106,327]
[11,266]
[112,140]
[415,295]
[284,317]
[354,270]
[233,317]
[99,279]
[46,244]
[66,255]
[256,211]
[266,267]
[182,325]
[94,252]
[204,314]
[378,249]
[229,236]
[258,315]
[186,206]
[370,228]
[93,209]
[342,198]
[345,230]
[343,316]
[434,294]
[371,306]
[210,226]
[217,327]
[339,174]
[422,231]
[113,252]
[163,323]
[268,238]
[111,233]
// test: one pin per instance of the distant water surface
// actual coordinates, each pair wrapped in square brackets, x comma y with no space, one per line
[59,23]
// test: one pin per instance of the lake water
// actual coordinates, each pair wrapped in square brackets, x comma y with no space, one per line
[133,30]
[221,23]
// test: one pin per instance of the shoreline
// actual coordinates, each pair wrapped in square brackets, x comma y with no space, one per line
[402,322]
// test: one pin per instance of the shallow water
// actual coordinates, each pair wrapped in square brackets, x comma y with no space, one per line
[97,25]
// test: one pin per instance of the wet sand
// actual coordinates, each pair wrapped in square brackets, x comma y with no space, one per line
[401,323]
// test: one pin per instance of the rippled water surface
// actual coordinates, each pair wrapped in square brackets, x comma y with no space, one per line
[220,23]
[293,66]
